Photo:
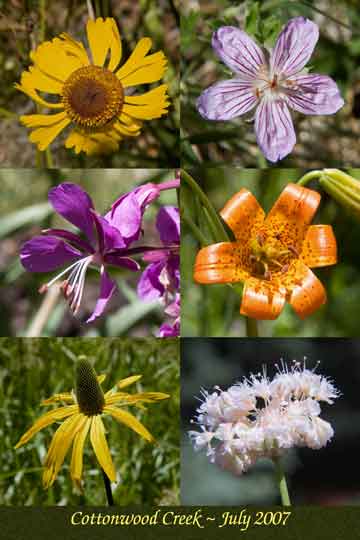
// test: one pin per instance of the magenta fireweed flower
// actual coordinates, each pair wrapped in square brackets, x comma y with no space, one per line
[106,242]
[272,81]
[161,278]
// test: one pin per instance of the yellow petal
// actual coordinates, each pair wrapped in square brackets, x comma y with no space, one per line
[142,69]
[42,120]
[103,36]
[44,136]
[32,93]
[101,378]
[66,396]
[101,449]
[45,420]
[36,79]
[151,105]
[59,447]
[77,452]
[58,58]
[127,130]
[75,48]
[128,399]
[129,420]
[93,143]
[123,383]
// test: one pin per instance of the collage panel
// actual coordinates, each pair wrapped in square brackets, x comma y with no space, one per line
[270,252]
[270,82]
[268,422]
[89,252]
[89,84]
[85,419]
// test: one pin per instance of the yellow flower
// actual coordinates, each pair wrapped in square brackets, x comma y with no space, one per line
[94,95]
[83,415]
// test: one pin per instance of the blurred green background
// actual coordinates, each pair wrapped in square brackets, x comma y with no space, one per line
[329,476]
[24,212]
[213,310]
[22,23]
[321,140]
[34,369]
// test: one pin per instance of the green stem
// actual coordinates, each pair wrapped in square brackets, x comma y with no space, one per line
[251,327]
[194,186]
[281,479]
[195,230]
[312,175]
[49,159]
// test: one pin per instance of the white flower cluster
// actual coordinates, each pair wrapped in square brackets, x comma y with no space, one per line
[262,418]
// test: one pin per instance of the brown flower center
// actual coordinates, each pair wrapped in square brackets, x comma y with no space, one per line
[92,96]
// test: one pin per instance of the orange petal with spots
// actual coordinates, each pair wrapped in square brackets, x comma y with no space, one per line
[292,213]
[261,301]
[308,295]
[219,263]
[243,214]
[319,248]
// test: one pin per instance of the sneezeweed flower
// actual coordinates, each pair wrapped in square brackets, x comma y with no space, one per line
[106,242]
[161,278]
[82,414]
[272,81]
[271,255]
[93,93]
[263,418]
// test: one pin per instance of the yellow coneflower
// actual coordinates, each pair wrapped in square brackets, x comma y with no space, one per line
[94,95]
[83,413]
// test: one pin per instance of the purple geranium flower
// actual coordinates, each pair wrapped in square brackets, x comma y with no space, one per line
[271,81]
[162,276]
[106,243]
[173,310]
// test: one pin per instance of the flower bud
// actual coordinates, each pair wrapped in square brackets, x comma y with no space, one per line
[343,188]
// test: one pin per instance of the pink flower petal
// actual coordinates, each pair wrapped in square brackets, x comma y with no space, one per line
[294,46]
[274,129]
[314,94]
[226,100]
[107,288]
[238,51]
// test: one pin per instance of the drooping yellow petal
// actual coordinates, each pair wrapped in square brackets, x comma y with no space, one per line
[101,378]
[59,447]
[42,120]
[94,143]
[129,420]
[148,106]
[77,452]
[67,397]
[142,69]
[75,48]
[128,399]
[123,383]
[44,136]
[45,420]
[101,449]
[59,57]
[103,36]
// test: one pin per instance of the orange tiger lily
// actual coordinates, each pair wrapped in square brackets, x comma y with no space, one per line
[271,255]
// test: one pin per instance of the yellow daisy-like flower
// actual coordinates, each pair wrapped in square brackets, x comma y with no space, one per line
[83,414]
[94,95]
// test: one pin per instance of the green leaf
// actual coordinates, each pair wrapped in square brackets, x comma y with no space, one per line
[25,216]
[128,316]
